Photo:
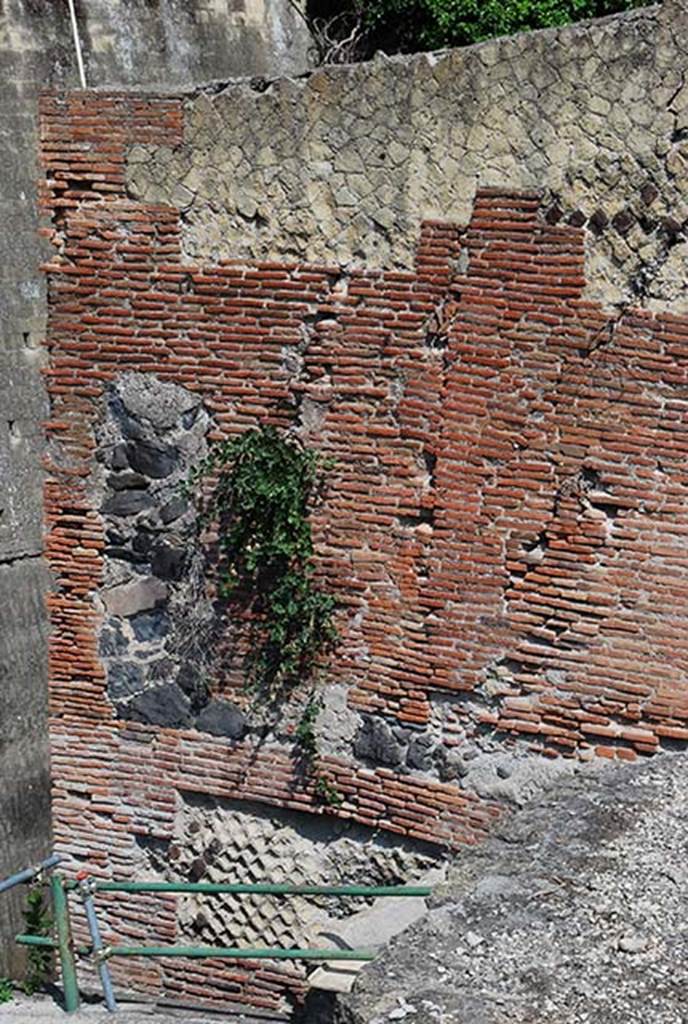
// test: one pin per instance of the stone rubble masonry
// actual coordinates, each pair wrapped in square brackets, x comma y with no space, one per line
[505,523]
[343,167]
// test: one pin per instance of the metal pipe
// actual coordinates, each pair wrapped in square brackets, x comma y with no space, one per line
[77,44]
[45,940]
[64,941]
[265,889]
[86,890]
[35,940]
[229,953]
[28,873]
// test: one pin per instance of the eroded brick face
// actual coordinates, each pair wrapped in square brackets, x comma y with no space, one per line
[504,527]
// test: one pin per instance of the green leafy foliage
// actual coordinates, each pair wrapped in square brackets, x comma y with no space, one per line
[307,740]
[326,791]
[262,486]
[403,26]
[304,733]
[37,921]
[6,990]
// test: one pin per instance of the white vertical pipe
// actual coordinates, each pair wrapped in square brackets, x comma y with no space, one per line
[77,43]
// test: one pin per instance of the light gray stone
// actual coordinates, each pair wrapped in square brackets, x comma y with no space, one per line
[588,113]
[161,403]
[138,596]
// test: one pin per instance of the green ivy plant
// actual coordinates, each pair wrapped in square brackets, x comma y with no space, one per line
[37,921]
[257,490]
[261,488]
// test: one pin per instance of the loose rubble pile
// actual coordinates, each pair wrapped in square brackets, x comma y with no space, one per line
[574,913]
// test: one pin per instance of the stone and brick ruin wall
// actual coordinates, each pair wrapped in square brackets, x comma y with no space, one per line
[461,277]
[161,44]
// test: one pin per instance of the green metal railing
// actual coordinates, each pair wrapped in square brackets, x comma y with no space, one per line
[88,887]
[262,888]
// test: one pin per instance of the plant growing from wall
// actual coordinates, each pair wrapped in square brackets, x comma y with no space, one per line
[259,489]
[262,486]
[307,740]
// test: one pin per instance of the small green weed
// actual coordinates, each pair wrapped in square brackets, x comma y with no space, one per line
[37,921]
[326,791]
[6,990]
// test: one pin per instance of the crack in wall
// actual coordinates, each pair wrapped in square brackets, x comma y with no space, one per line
[17,559]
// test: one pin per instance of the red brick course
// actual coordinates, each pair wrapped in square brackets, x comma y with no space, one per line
[506,520]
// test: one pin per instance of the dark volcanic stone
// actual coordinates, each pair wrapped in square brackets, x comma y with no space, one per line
[127,481]
[152,458]
[649,193]
[374,742]
[598,221]
[129,425]
[189,417]
[623,221]
[112,639]
[160,670]
[174,508]
[124,679]
[118,457]
[161,705]
[124,554]
[671,227]
[419,754]
[150,625]
[194,686]
[126,503]
[554,214]
[221,718]
[168,562]
[143,542]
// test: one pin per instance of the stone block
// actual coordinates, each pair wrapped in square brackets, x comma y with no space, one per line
[138,596]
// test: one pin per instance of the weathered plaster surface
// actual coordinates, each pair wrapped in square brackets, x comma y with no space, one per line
[342,166]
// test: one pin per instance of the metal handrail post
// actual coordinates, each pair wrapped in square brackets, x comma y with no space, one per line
[86,890]
[64,942]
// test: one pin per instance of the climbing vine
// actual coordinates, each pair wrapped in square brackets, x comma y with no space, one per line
[256,491]
[306,737]
[261,487]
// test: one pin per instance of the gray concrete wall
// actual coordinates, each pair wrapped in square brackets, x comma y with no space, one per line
[156,43]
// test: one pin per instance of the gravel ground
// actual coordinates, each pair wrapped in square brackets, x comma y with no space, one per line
[573,913]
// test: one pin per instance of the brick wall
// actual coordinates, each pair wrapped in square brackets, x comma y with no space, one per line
[504,526]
